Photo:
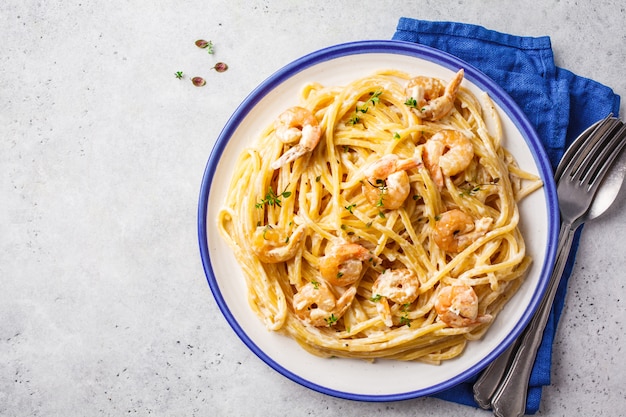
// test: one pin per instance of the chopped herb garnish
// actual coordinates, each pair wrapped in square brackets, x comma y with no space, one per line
[411,102]
[362,109]
[316,285]
[376,298]
[331,320]
[396,136]
[272,199]
[405,316]
[375,96]
[382,187]
[350,208]
[318,178]
[472,190]
[179,75]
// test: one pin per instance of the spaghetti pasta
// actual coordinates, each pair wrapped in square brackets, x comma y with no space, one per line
[380,219]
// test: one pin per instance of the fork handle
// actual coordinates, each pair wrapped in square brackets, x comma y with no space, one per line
[510,398]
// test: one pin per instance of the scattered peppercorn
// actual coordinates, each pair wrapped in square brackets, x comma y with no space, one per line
[198,81]
[220,67]
[208,45]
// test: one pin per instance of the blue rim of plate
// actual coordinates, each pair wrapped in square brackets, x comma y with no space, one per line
[443,59]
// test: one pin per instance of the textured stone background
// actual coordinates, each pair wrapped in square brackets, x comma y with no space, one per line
[104,307]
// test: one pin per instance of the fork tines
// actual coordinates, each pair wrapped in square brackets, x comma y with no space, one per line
[596,155]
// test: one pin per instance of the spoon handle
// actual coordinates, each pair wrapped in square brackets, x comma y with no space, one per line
[510,398]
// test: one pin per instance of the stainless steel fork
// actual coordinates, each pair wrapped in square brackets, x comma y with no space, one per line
[504,384]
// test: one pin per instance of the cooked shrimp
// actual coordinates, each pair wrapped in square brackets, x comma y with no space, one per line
[429,98]
[455,230]
[343,262]
[315,304]
[457,306]
[398,285]
[273,245]
[387,183]
[447,153]
[296,124]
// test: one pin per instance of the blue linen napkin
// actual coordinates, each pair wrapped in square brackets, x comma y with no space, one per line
[558,103]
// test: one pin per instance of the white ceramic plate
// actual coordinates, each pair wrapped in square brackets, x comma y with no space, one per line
[354,379]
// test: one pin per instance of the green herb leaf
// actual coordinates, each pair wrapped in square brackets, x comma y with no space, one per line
[331,320]
[362,109]
[411,102]
[375,96]
[272,199]
[350,208]
[209,48]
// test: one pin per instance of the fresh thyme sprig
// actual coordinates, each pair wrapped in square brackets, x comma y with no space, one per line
[473,189]
[373,99]
[273,199]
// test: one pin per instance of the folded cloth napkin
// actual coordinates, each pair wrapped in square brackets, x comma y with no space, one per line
[557,102]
